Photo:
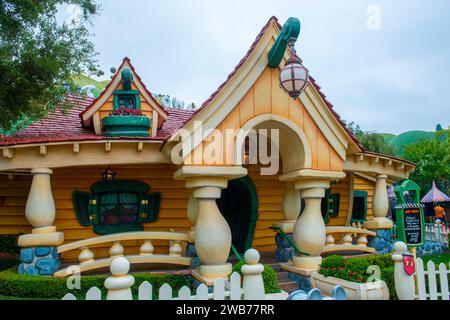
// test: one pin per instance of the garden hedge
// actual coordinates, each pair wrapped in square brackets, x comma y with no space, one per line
[14,285]
[354,269]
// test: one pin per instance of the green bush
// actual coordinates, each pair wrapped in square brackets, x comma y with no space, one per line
[355,269]
[9,244]
[437,259]
[269,277]
[7,263]
[387,275]
[14,285]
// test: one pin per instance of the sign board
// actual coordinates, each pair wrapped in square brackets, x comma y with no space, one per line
[410,216]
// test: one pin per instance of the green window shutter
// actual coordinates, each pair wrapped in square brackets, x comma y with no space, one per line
[81,204]
[336,202]
[154,201]
[325,207]
[359,213]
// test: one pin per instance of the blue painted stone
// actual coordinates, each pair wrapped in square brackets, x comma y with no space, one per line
[21,269]
[31,271]
[42,251]
[387,235]
[195,263]
[304,283]
[282,242]
[379,245]
[427,247]
[47,267]
[380,233]
[27,255]
[55,254]
[191,251]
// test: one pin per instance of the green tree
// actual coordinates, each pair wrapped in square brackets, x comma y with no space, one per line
[39,55]
[433,161]
[373,141]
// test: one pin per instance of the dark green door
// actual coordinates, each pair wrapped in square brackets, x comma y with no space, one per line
[239,206]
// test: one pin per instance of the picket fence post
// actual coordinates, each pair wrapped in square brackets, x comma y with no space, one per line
[404,283]
[119,284]
[253,284]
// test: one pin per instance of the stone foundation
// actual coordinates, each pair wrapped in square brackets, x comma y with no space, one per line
[382,243]
[284,251]
[39,261]
[304,282]
[431,248]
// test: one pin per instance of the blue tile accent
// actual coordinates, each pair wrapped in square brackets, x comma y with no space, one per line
[27,255]
[42,251]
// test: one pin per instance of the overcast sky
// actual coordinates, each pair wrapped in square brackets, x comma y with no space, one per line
[393,76]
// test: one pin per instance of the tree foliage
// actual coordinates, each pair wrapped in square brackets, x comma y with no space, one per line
[39,54]
[433,161]
[373,141]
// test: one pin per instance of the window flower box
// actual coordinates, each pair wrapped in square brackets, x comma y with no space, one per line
[377,290]
[126,126]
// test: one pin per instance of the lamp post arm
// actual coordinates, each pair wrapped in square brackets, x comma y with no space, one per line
[290,32]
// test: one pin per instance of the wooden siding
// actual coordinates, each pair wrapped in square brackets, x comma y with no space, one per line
[266,97]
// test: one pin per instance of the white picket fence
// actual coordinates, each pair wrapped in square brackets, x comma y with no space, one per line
[119,285]
[222,289]
[405,285]
[437,232]
[432,274]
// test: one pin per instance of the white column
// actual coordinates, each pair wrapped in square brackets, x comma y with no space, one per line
[380,206]
[212,233]
[291,208]
[310,230]
[192,214]
[40,212]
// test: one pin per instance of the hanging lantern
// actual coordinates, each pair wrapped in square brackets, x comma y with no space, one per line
[294,76]
[109,174]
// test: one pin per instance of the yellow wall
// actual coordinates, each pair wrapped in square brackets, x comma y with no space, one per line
[266,97]
[13,195]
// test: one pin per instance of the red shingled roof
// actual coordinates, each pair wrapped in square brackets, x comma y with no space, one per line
[64,127]
[58,127]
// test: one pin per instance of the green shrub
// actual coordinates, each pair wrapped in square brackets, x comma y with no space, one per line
[355,269]
[7,263]
[437,259]
[9,244]
[269,277]
[387,275]
[14,285]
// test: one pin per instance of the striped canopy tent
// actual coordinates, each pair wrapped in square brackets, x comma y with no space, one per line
[435,195]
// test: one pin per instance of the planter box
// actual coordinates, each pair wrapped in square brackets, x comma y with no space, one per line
[355,291]
[126,126]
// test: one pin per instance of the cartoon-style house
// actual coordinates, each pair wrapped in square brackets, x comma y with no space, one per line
[102,181]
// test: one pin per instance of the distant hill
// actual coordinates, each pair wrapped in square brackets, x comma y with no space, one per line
[84,81]
[410,137]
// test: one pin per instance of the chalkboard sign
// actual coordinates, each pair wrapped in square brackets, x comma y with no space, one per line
[413,226]
[410,214]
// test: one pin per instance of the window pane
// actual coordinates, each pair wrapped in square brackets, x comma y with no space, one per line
[119,209]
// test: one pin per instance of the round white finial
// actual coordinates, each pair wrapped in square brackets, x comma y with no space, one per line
[400,247]
[120,267]
[252,256]
[438,221]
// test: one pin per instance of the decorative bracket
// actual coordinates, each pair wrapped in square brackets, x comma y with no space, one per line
[290,32]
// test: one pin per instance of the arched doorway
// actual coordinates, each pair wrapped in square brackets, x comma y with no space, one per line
[239,206]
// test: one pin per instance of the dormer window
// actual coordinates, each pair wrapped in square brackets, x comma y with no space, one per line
[127,101]
[127,98]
